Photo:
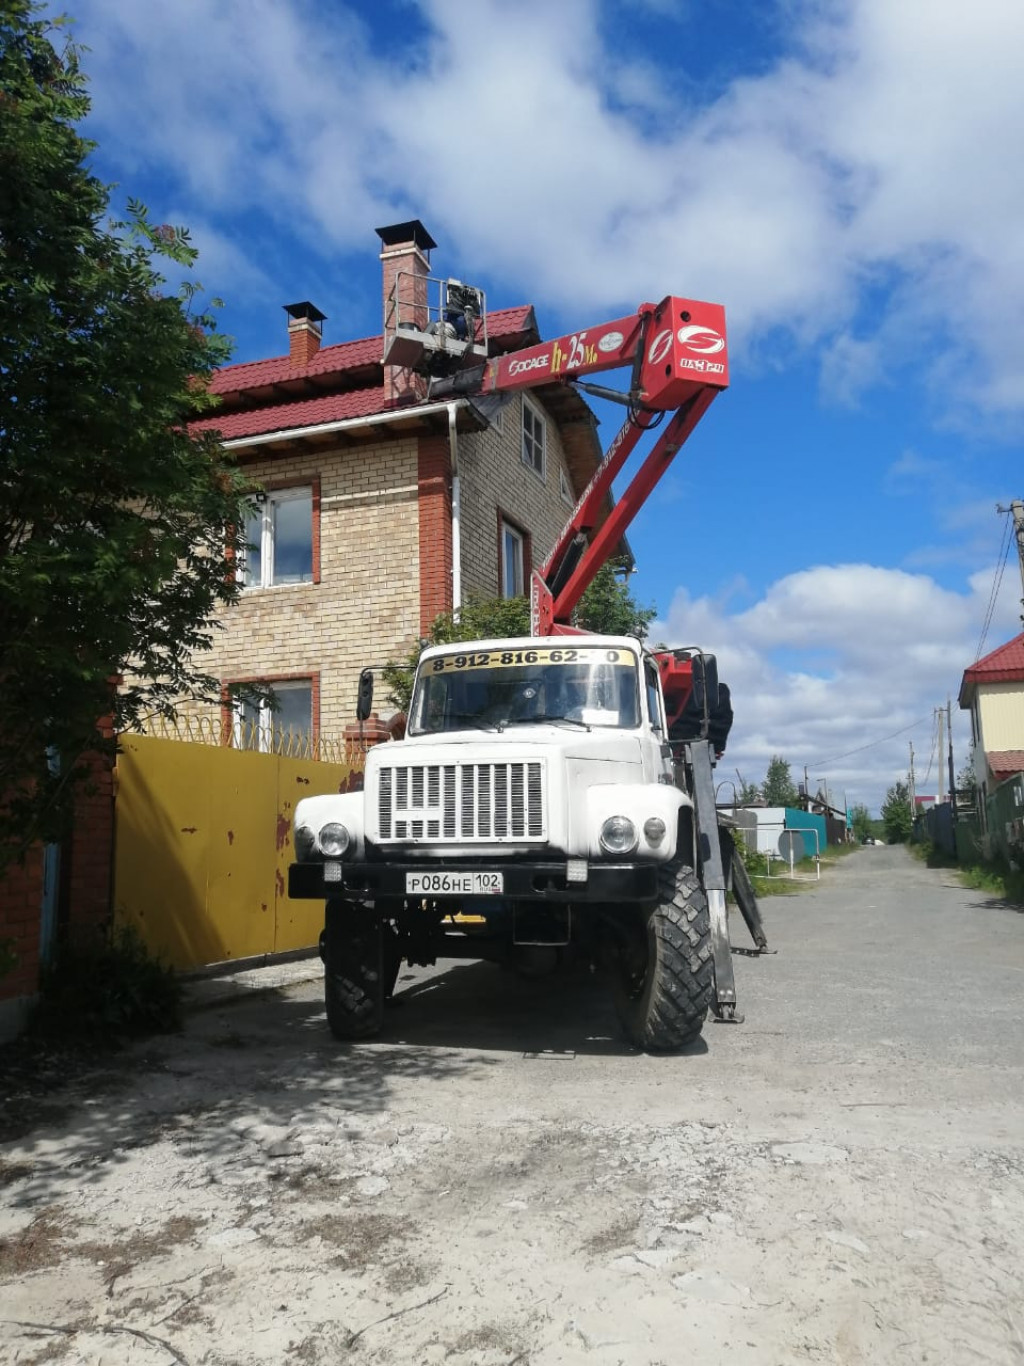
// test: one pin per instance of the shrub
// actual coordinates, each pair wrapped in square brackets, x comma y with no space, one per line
[109,988]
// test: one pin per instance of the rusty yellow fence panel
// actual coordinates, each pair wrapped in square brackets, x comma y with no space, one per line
[203,843]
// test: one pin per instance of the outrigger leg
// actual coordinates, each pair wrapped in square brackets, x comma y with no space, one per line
[742,888]
[698,755]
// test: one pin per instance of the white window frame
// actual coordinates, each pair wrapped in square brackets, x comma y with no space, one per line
[266,504]
[565,488]
[536,441]
[519,541]
[265,716]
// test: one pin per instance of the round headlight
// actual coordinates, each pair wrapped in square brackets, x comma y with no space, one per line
[333,839]
[654,830]
[618,835]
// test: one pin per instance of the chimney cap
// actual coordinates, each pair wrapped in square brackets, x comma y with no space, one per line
[400,233]
[305,310]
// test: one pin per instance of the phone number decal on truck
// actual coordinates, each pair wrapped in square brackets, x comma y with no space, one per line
[504,659]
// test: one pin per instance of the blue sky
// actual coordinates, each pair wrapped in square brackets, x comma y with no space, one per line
[843,177]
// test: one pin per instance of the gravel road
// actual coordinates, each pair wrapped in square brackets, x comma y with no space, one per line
[500,1180]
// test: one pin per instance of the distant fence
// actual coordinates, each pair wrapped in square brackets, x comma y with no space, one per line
[963,836]
[1004,812]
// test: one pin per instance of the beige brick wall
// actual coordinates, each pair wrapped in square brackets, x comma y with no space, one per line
[367,599]
[494,476]
[365,609]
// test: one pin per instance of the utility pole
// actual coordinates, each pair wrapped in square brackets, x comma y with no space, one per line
[1017,509]
[941,750]
[913,798]
[952,779]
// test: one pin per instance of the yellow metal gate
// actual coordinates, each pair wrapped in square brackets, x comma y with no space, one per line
[203,844]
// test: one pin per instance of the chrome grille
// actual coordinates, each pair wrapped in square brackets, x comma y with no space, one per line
[462,802]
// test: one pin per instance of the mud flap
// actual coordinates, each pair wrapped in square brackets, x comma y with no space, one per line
[709,849]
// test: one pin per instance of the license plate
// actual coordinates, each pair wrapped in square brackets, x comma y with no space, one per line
[454,884]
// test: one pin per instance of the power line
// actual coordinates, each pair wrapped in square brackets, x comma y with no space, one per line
[823,763]
[997,579]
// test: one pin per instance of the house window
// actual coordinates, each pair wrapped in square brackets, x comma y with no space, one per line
[534,428]
[565,488]
[513,561]
[282,727]
[279,536]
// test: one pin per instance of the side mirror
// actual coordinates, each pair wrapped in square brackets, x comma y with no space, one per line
[705,684]
[364,698]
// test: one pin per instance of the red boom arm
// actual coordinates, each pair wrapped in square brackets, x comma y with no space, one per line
[680,361]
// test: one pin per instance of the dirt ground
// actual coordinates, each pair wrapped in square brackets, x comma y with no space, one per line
[500,1180]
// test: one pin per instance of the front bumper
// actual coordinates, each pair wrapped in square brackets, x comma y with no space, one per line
[541,880]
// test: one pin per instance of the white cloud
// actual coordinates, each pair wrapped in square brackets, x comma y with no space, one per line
[859,196]
[833,659]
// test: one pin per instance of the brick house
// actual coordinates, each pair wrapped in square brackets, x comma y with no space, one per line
[382,509]
[992,690]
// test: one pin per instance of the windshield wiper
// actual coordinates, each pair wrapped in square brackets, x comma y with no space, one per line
[549,720]
[468,721]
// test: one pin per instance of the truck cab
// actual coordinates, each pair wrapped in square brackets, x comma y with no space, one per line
[533,803]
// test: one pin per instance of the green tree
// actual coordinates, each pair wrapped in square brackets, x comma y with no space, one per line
[747,794]
[607,608]
[860,819]
[116,523]
[778,788]
[896,814]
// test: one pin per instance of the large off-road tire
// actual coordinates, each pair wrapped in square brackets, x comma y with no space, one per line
[665,974]
[353,971]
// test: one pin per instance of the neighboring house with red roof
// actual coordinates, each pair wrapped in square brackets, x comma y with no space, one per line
[992,690]
[382,508]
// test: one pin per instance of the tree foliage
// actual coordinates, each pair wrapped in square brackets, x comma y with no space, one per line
[609,608]
[778,788]
[606,608]
[861,822]
[897,817]
[115,522]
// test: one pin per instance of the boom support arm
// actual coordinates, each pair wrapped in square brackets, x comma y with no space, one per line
[677,350]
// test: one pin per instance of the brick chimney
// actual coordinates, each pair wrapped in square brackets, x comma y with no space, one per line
[405,258]
[304,332]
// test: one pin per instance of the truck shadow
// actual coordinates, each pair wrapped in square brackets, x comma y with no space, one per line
[479,1005]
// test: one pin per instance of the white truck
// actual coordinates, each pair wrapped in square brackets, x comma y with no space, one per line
[535,807]
[553,793]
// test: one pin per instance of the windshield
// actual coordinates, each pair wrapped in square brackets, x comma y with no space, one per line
[580,685]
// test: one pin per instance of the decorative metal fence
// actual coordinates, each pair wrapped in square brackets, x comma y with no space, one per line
[257,737]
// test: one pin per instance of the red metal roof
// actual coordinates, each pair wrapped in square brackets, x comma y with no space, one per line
[1004,763]
[256,374]
[303,412]
[1005,664]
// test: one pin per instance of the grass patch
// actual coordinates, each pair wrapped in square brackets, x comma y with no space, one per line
[998,879]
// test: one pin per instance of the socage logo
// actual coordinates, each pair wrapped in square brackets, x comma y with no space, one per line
[534,363]
[660,346]
[703,341]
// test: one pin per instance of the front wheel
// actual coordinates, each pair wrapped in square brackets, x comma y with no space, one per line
[665,975]
[353,971]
